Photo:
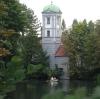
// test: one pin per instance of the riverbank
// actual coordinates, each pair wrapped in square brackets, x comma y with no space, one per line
[36,89]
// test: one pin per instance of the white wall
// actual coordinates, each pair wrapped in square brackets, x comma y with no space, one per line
[63,62]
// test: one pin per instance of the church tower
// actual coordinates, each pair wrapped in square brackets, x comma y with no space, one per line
[51,31]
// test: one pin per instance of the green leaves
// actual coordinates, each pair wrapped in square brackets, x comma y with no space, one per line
[33,69]
[81,44]
[15,70]
[56,95]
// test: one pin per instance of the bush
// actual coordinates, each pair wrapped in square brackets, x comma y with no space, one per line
[98,79]
[57,95]
[78,94]
[37,71]
[14,71]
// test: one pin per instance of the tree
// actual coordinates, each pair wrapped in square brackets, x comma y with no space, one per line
[75,23]
[91,27]
[97,27]
[63,25]
[10,24]
[82,45]
[20,46]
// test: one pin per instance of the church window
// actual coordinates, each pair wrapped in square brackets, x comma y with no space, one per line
[48,20]
[48,33]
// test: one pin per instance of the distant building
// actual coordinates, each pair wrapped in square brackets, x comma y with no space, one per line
[51,37]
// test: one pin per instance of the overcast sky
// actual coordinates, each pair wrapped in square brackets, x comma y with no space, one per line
[71,9]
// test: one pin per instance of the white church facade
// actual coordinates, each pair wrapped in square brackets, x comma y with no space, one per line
[51,37]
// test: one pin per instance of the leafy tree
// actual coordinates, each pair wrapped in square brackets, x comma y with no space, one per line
[97,28]
[30,47]
[20,49]
[63,25]
[82,46]
[31,51]
[91,27]
[75,23]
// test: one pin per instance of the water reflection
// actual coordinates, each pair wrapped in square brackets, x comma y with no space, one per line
[37,89]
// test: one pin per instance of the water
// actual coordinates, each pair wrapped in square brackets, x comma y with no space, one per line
[37,89]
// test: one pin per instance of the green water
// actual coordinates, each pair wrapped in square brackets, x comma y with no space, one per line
[37,89]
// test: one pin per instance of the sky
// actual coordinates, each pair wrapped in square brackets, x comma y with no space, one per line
[71,9]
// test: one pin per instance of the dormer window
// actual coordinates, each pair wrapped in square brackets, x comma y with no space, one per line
[48,33]
[48,20]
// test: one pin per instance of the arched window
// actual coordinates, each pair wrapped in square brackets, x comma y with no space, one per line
[48,20]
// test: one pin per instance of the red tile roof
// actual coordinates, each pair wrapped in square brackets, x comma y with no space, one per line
[60,52]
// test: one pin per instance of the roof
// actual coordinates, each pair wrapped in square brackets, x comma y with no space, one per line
[51,8]
[60,52]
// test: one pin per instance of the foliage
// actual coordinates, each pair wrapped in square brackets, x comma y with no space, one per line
[11,74]
[81,43]
[98,79]
[56,95]
[35,68]
[32,53]
[14,71]
[96,94]
[78,94]
[21,53]
[63,25]
[29,43]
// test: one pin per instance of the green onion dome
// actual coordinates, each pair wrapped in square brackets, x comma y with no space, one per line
[51,8]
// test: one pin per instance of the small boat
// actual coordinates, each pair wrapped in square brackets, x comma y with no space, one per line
[53,79]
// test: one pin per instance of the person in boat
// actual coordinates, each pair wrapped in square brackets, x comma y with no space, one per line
[53,79]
